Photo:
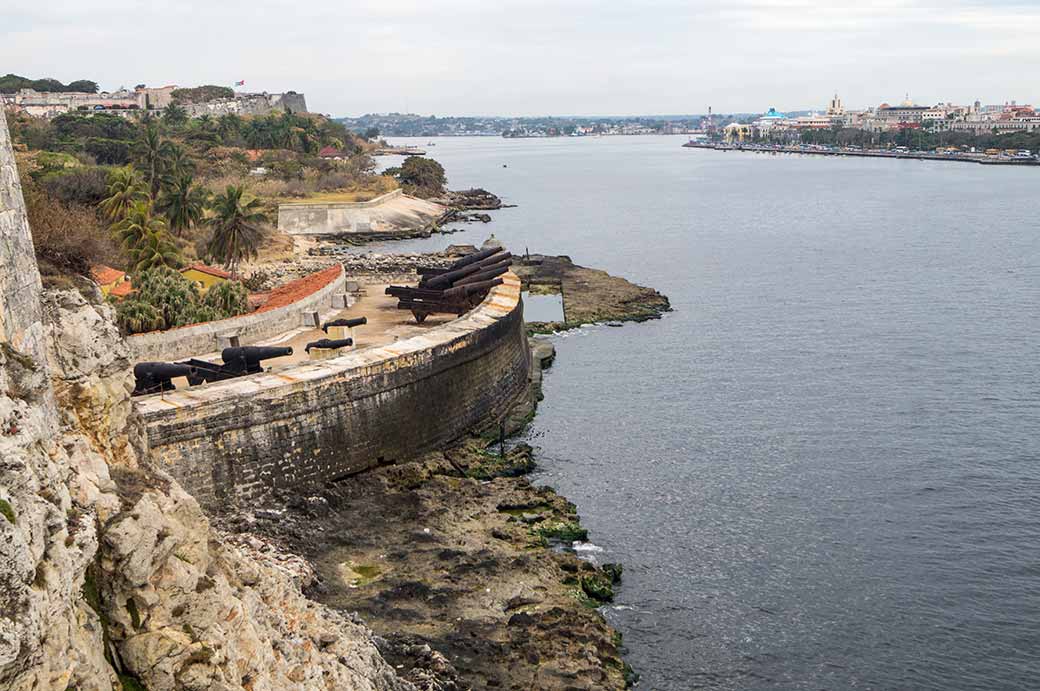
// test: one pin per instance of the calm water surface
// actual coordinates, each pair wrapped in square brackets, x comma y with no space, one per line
[822,471]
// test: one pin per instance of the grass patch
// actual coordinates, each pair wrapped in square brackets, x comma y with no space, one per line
[567,531]
[131,683]
[135,616]
[358,575]
[7,511]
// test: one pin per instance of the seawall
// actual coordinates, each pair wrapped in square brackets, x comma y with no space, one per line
[234,442]
[389,214]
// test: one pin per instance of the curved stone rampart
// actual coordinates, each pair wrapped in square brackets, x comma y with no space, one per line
[298,427]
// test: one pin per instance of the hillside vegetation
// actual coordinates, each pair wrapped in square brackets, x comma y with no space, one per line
[160,192]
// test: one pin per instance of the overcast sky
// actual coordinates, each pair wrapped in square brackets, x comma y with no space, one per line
[534,57]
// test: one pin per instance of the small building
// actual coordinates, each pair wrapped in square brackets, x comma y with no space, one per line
[331,152]
[737,132]
[109,280]
[205,277]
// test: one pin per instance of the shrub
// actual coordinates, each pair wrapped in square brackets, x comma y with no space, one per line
[163,299]
[67,237]
[172,295]
[113,152]
[136,316]
[86,185]
[421,177]
[227,299]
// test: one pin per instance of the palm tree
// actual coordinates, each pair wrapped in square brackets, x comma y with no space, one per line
[177,161]
[124,189]
[144,238]
[155,249]
[236,228]
[136,222]
[174,115]
[182,202]
[153,152]
[135,316]
[229,127]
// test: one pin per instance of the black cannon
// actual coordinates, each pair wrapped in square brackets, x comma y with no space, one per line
[238,361]
[330,343]
[247,359]
[444,280]
[475,257]
[153,377]
[457,289]
[351,323]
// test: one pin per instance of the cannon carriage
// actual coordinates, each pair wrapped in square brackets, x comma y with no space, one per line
[456,289]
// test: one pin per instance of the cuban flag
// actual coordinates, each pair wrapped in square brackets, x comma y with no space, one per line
[240,83]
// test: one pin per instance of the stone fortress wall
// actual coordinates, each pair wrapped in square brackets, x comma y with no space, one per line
[20,287]
[388,213]
[233,442]
[250,104]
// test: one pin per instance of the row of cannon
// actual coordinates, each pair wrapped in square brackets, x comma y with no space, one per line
[237,361]
[456,289]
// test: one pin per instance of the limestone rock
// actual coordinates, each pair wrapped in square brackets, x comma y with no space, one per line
[106,564]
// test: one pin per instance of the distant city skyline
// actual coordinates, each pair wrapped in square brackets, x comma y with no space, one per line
[535,57]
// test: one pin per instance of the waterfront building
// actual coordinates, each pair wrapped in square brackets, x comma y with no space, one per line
[771,123]
[736,132]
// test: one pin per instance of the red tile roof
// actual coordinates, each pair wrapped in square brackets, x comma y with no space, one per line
[103,275]
[121,290]
[301,288]
[330,151]
[206,269]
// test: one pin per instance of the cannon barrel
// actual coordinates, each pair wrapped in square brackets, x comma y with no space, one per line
[153,377]
[162,370]
[444,280]
[254,353]
[356,321]
[330,343]
[471,288]
[475,257]
[484,275]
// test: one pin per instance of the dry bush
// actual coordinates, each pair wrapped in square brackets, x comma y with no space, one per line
[68,238]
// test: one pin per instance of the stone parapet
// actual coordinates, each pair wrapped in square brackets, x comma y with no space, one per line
[301,426]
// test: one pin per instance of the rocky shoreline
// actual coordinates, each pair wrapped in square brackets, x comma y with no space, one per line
[589,296]
[465,570]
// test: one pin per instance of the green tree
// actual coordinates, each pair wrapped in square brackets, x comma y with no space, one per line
[144,239]
[182,202]
[172,295]
[227,299]
[229,127]
[136,316]
[155,249]
[236,227]
[178,162]
[174,115]
[125,188]
[421,176]
[84,85]
[152,154]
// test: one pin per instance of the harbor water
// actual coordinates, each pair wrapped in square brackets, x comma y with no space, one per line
[822,470]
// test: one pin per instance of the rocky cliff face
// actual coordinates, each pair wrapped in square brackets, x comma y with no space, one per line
[110,574]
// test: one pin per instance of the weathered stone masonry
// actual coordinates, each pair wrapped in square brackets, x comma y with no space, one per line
[295,428]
